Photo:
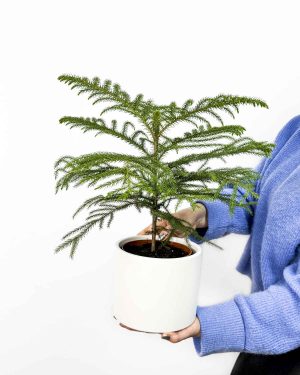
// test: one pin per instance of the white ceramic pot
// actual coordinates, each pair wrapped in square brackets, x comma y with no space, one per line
[156,294]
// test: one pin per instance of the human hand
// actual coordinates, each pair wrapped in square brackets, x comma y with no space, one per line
[192,330]
[196,218]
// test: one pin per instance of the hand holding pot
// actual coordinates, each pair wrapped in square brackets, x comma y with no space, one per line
[192,330]
[197,218]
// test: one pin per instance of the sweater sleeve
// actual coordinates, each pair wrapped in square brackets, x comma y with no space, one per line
[265,322]
[220,221]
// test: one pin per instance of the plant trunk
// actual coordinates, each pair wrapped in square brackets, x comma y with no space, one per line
[153,243]
[154,217]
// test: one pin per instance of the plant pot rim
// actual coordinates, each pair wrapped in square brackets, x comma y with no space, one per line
[197,248]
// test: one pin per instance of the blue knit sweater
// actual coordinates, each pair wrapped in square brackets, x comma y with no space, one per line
[267,321]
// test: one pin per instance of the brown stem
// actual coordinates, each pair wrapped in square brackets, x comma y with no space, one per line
[154,217]
[153,233]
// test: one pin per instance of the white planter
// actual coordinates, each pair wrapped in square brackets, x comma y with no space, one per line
[156,294]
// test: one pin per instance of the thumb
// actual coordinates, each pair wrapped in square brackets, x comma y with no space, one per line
[190,331]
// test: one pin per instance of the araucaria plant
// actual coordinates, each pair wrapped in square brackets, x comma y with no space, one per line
[146,180]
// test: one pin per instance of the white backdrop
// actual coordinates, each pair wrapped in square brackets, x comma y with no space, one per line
[55,313]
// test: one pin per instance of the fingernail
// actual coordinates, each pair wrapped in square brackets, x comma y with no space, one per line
[166,337]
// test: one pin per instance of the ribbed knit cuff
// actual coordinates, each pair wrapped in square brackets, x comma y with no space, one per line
[221,329]
[218,219]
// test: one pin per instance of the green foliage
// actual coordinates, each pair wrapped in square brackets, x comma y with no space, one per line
[147,180]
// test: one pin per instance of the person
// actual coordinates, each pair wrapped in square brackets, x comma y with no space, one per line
[264,326]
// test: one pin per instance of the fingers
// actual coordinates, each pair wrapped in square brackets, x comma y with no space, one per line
[162,227]
[143,232]
[165,228]
[177,336]
[146,230]
[192,330]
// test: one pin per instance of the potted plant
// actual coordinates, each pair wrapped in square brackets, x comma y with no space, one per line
[156,281]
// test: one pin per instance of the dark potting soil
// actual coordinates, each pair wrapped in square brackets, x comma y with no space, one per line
[161,251]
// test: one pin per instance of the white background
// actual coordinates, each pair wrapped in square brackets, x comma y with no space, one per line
[55,313]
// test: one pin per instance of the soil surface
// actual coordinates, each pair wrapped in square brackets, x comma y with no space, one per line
[161,251]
